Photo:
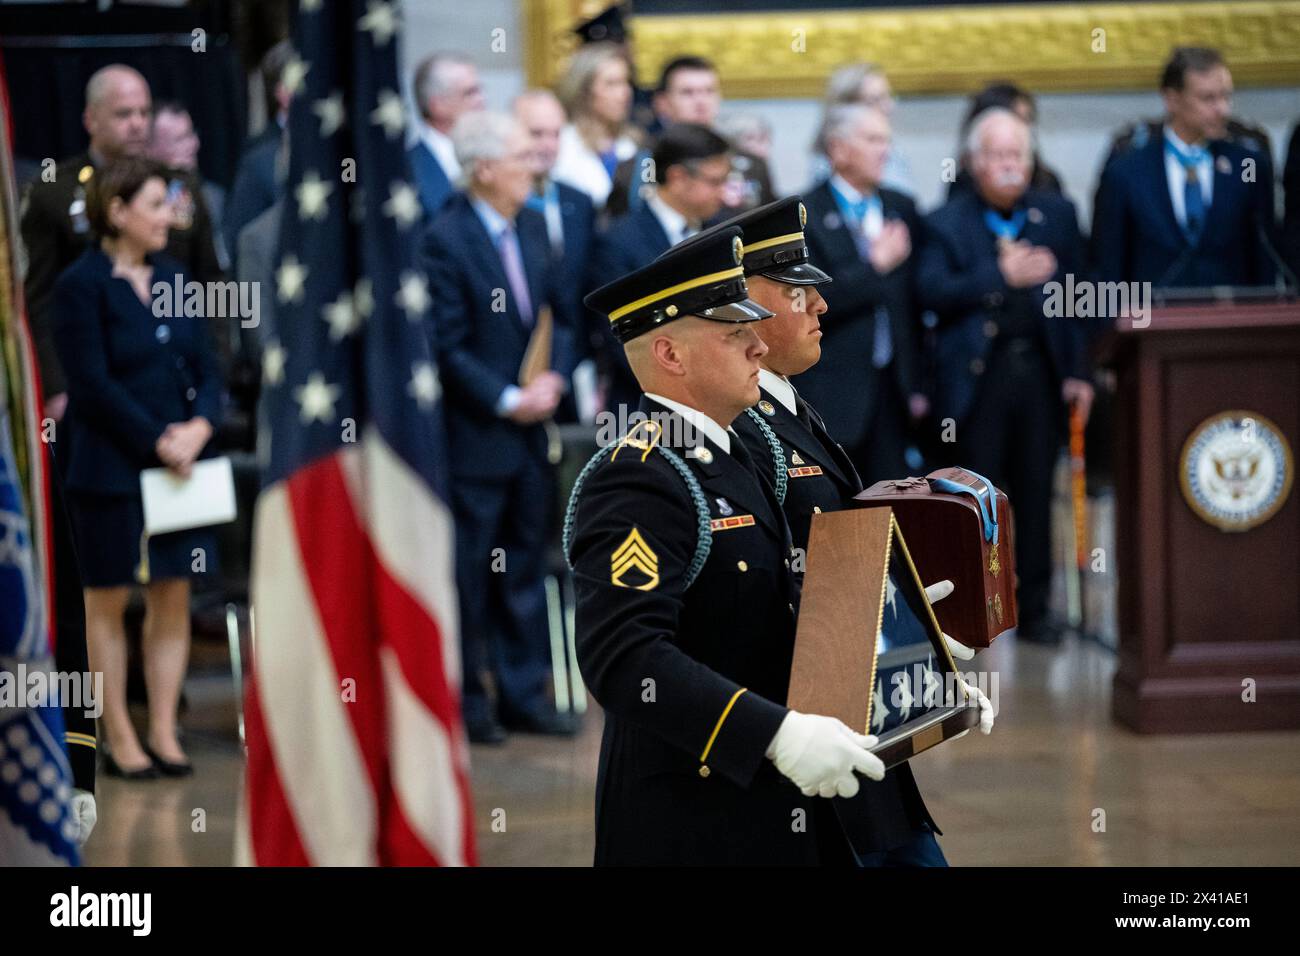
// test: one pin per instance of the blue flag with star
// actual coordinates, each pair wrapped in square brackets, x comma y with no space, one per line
[351,347]
[36,827]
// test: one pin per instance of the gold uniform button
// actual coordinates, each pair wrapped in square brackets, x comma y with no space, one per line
[704,770]
[977,366]
[744,566]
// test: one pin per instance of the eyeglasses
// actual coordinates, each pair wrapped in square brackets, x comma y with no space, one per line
[717,182]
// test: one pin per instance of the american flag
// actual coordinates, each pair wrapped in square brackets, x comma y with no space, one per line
[36,827]
[356,752]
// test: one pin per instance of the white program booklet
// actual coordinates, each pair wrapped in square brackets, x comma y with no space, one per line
[172,503]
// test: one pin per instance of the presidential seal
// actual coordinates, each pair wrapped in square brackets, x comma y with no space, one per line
[1236,470]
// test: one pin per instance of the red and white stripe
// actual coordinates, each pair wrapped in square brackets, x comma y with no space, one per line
[356,753]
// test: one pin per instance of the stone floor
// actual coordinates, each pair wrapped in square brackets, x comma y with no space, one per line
[1057,783]
[1027,794]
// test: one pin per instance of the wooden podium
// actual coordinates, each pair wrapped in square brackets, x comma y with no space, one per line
[1207,527]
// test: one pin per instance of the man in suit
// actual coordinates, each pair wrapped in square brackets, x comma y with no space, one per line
[861,234]
[174,143]
[1188,208]
[685,635]
[689,91]
[1006,363]
[258,184]
[55,228]
[446,87]
[693,163]
[569,213]
[489,261]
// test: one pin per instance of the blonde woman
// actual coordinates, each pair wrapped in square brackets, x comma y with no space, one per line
[597,94]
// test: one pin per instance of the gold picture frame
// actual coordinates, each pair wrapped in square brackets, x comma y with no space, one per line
[943,49]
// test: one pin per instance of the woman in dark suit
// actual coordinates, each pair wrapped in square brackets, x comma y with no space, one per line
[143,392]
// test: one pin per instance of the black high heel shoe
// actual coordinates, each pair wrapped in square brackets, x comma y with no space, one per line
[167,768]
[113,769]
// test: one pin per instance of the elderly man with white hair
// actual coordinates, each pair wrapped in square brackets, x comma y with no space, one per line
[446,86]
[494,284]
[862,233]
[1007,362]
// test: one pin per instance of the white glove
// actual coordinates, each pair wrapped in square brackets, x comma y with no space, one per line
[935,593]
[819,754]
[82,807]
[986,708]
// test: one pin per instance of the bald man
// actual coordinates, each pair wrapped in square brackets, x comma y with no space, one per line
[118,119]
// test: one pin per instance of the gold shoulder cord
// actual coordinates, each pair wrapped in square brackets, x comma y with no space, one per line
[654,431]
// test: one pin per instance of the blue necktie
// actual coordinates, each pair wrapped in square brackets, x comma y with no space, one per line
[1191,159]
[857,208]
[856,211]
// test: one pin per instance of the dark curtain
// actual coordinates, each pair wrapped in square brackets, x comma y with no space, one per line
[47,91]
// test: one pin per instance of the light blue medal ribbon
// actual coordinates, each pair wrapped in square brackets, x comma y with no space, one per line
[988,506]
[1007,230]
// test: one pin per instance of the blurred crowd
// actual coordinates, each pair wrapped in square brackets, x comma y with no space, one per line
[941,345]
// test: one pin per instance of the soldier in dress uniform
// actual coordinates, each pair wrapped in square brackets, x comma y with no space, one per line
[55,229]
[887,822]
[818,473]
[686,597]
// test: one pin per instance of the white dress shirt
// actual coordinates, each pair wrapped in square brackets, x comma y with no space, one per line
[675,225]
[713,431]
[444,152]
[780,389]
[875,218]
[578,166]
[554,216]
[1177,177]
